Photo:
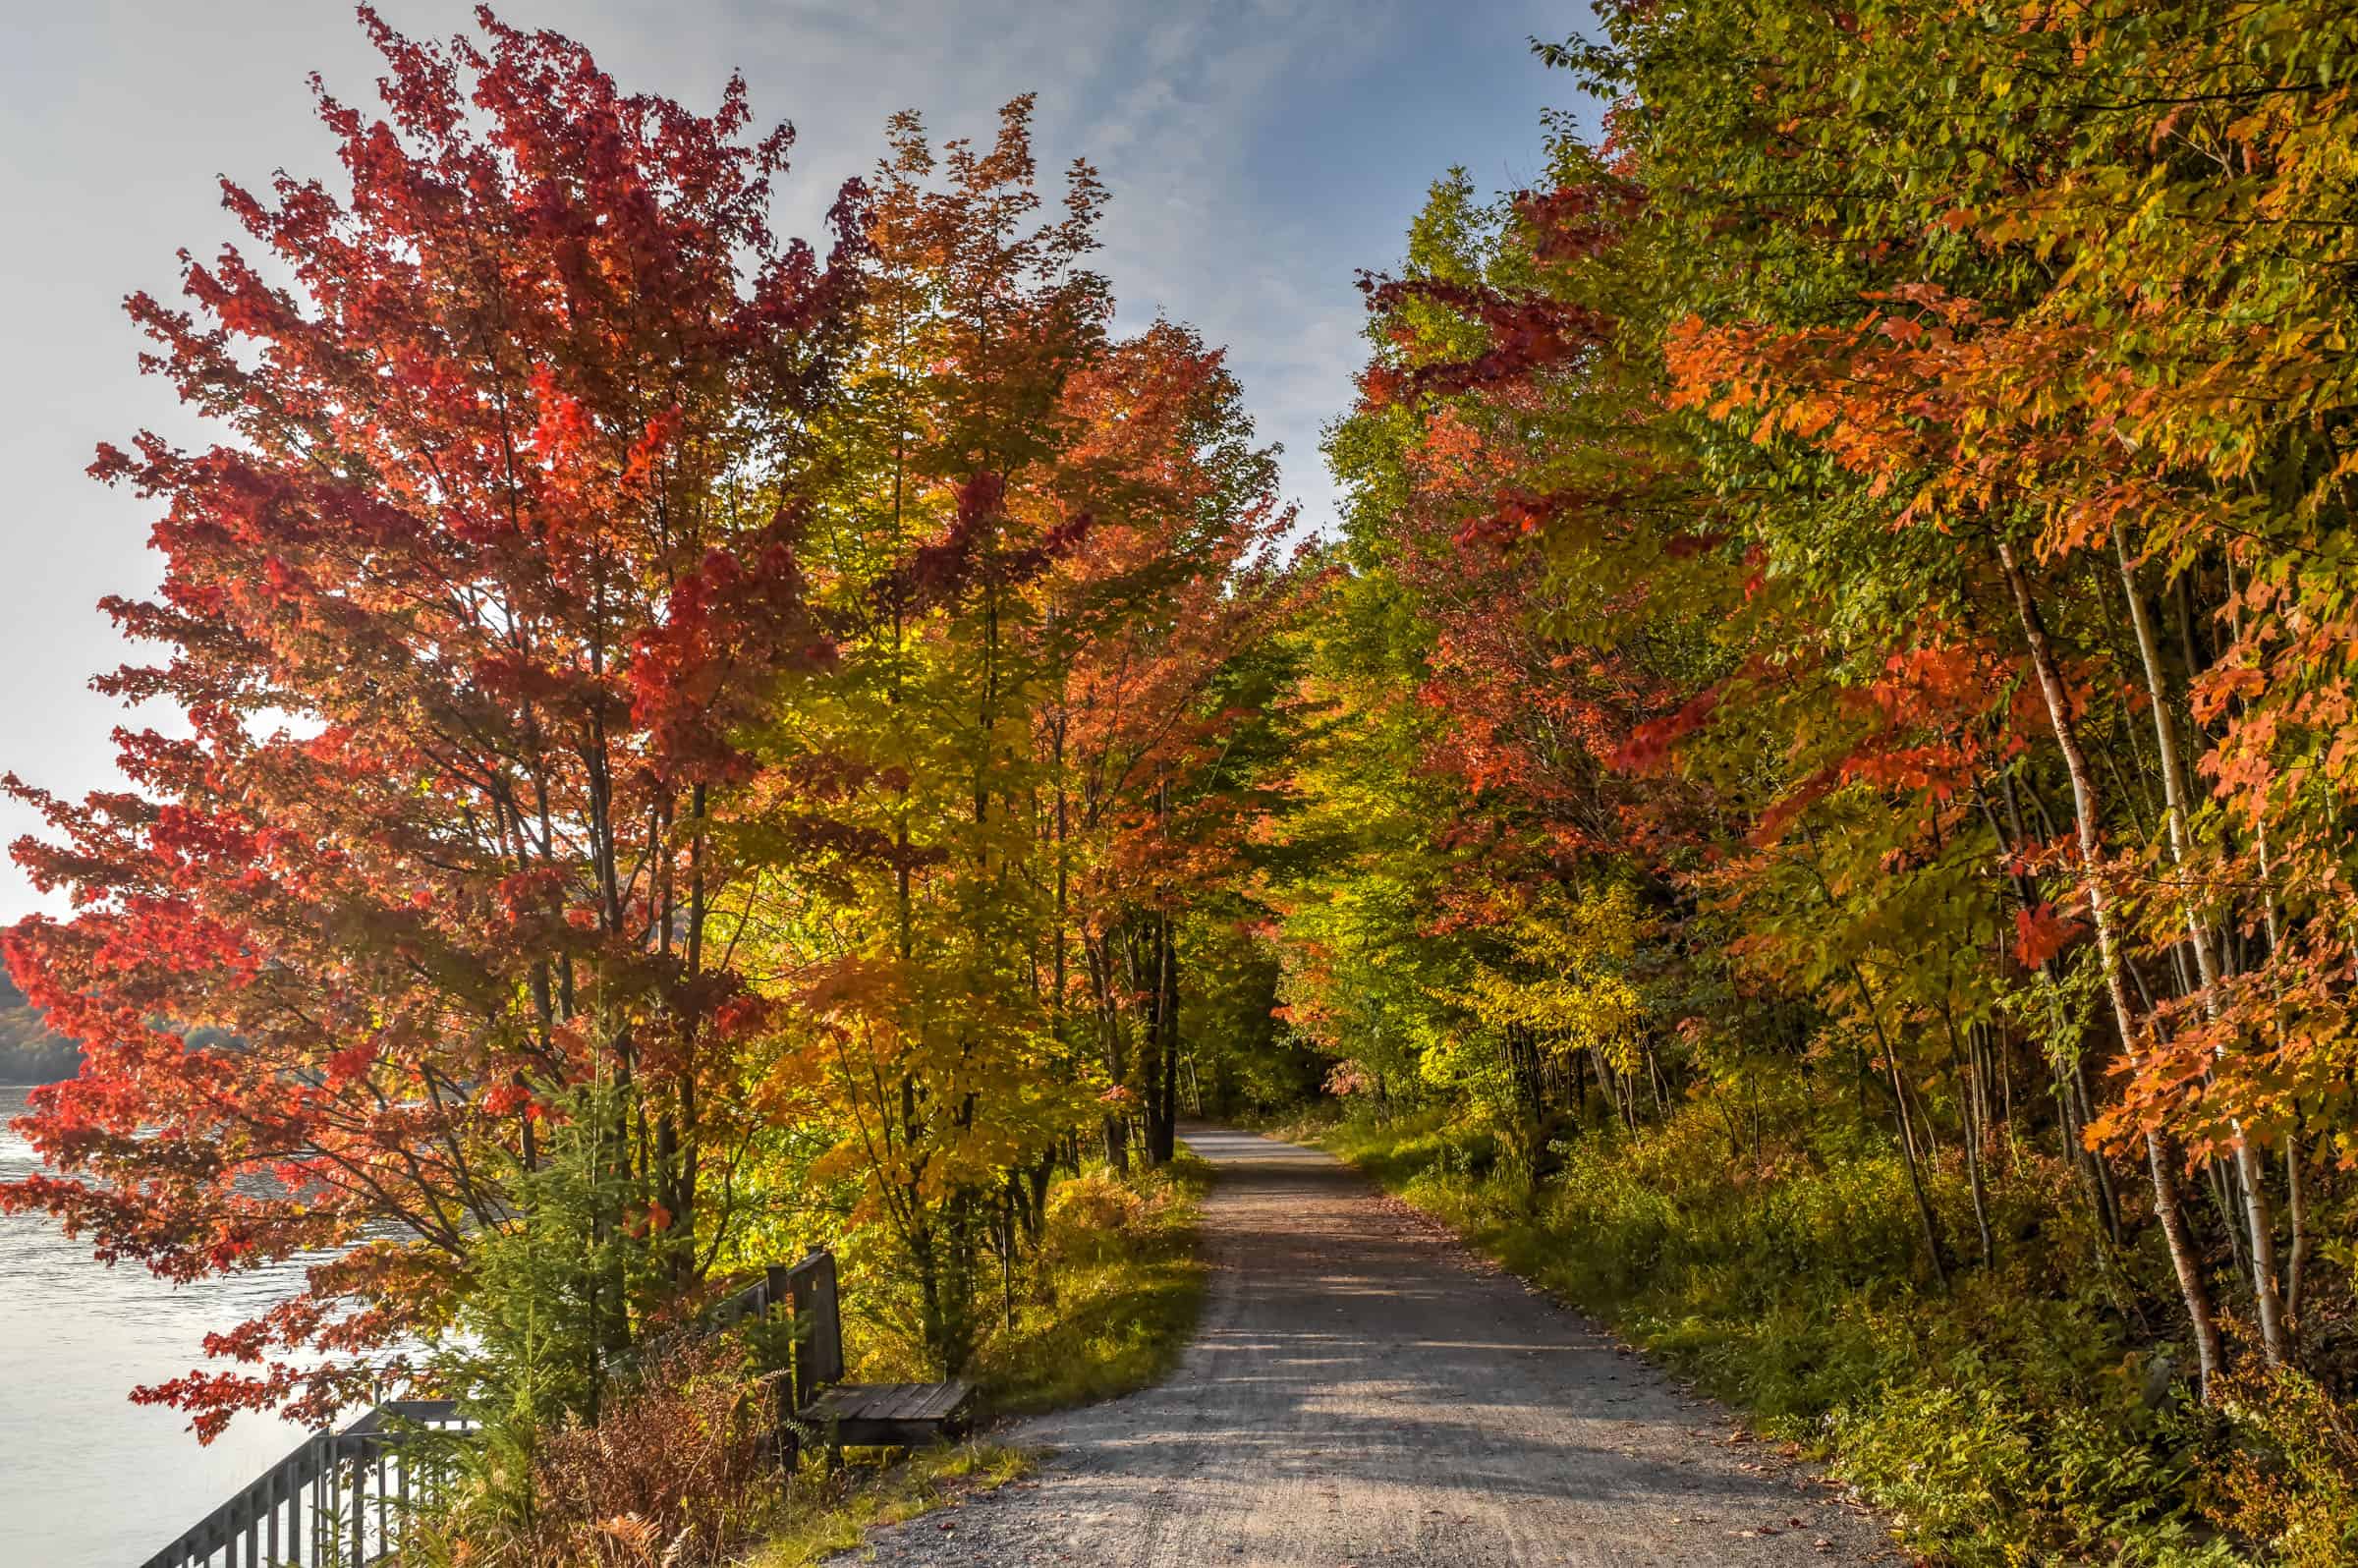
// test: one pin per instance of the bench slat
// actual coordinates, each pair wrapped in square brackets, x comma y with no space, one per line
[896,1414]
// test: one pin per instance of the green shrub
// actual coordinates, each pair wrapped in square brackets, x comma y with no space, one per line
[2289,1475]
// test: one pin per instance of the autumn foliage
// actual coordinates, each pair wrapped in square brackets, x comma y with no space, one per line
[1846,639]
[610,677]
[1834,678]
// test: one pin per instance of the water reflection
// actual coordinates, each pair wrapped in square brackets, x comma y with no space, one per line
[89,1479]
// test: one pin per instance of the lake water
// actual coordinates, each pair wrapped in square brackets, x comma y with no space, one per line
[89,1479]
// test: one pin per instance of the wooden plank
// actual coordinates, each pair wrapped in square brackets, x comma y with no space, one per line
[817,1325]
[896,1415]
[904,1402]
[889,1433]
[878,1401]
[919,1401]
[298,1486]
[360,1505]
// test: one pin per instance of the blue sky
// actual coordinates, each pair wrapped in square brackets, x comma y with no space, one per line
[1259,152]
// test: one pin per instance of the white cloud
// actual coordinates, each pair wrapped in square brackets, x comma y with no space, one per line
[1257,151]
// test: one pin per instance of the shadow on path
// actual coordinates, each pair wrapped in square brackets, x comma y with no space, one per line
[1363,1391]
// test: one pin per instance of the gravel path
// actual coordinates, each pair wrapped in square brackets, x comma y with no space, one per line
[1364,1391]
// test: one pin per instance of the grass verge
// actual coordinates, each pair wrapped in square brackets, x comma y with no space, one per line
[829,1514]
[1118,1295]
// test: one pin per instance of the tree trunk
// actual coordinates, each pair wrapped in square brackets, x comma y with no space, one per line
[2191,1285]
[1968,1081]
[1167,1148]
[1907,1144]
[1147,980]
[1099,950]
[2260,1222]
[2296,1207]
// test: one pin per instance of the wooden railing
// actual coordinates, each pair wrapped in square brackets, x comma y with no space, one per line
[338,1501]
[342,1499]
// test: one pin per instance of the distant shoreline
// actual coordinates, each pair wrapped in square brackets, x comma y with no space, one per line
[30,1054]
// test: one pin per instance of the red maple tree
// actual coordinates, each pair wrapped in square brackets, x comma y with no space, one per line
[496,545]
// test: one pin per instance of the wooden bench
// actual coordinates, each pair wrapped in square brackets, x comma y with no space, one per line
[856,1415]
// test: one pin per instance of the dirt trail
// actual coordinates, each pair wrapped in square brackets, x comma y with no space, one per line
[1364,1391]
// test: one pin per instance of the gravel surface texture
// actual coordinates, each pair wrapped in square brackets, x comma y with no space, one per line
[1363,1391]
